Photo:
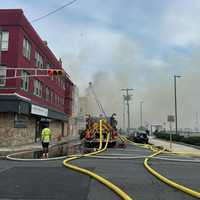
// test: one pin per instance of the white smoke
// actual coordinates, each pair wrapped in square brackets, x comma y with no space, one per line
[152,80]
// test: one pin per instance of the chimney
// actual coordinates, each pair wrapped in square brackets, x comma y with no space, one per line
[45,42]
[60,61]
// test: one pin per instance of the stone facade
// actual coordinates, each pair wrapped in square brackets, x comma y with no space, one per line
[18,129]
[11,136]
[75,125]
[56,128]
[66,129]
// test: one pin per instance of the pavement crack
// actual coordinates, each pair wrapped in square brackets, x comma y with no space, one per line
[88,189]
[5,169]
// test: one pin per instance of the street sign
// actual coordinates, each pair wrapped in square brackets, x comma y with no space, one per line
[170,118]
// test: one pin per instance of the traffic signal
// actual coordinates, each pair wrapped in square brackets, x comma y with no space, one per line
[55,72]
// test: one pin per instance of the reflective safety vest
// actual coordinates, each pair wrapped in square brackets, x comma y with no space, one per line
[46,135]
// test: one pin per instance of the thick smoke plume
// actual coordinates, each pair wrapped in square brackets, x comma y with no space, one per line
[152,81]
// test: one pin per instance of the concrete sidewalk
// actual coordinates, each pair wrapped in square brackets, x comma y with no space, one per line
[4,151]
[175,147]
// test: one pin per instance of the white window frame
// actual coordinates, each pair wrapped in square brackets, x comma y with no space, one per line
[55,98]
[52,94]
[39,60]
[63,84]
[58,100]
[37,88]
[47,93]
[26,49]
[4,40]
[2,75]
[25,80]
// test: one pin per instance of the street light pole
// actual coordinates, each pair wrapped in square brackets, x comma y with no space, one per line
[124,110]
[170,136]
[175,104]
[128,111]
[141,120]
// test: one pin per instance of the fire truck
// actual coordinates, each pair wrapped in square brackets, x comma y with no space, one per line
[91,134]
[92,131]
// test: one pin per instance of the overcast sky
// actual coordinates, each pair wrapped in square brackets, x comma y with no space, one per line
[127,43]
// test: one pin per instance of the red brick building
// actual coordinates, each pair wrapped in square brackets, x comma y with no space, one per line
[29,102]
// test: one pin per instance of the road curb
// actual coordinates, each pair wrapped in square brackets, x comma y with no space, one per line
[9,152]
[2,157]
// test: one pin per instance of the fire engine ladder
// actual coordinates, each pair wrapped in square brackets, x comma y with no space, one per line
[97,100]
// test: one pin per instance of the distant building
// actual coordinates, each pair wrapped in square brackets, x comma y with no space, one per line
[27,103]
[83,106]
[75,105]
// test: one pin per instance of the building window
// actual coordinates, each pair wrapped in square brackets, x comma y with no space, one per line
[47,97]
[62,101]
[2,76]
[4,40]
[37,88]
[67,85]
[63,84]
[51,96]
[25,80]
[26,49]
[49,65]
[58,100]
[58,81]
[20,121]
[55,99]
[38,60]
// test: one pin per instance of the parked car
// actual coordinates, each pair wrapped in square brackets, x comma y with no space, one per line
[139,136]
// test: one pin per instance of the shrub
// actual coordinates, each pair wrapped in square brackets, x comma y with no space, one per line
[178,138]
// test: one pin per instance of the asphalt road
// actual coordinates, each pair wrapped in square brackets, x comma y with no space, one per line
[51,180]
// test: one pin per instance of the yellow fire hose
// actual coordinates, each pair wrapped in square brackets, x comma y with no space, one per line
[102,180]
[100,135]
[168,181]
[173,184]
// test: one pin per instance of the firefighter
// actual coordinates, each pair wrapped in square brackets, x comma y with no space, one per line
[46,139]
[87,135]
[88,121]
[113,121]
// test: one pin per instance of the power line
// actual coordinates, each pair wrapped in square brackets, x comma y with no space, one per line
[54,11]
